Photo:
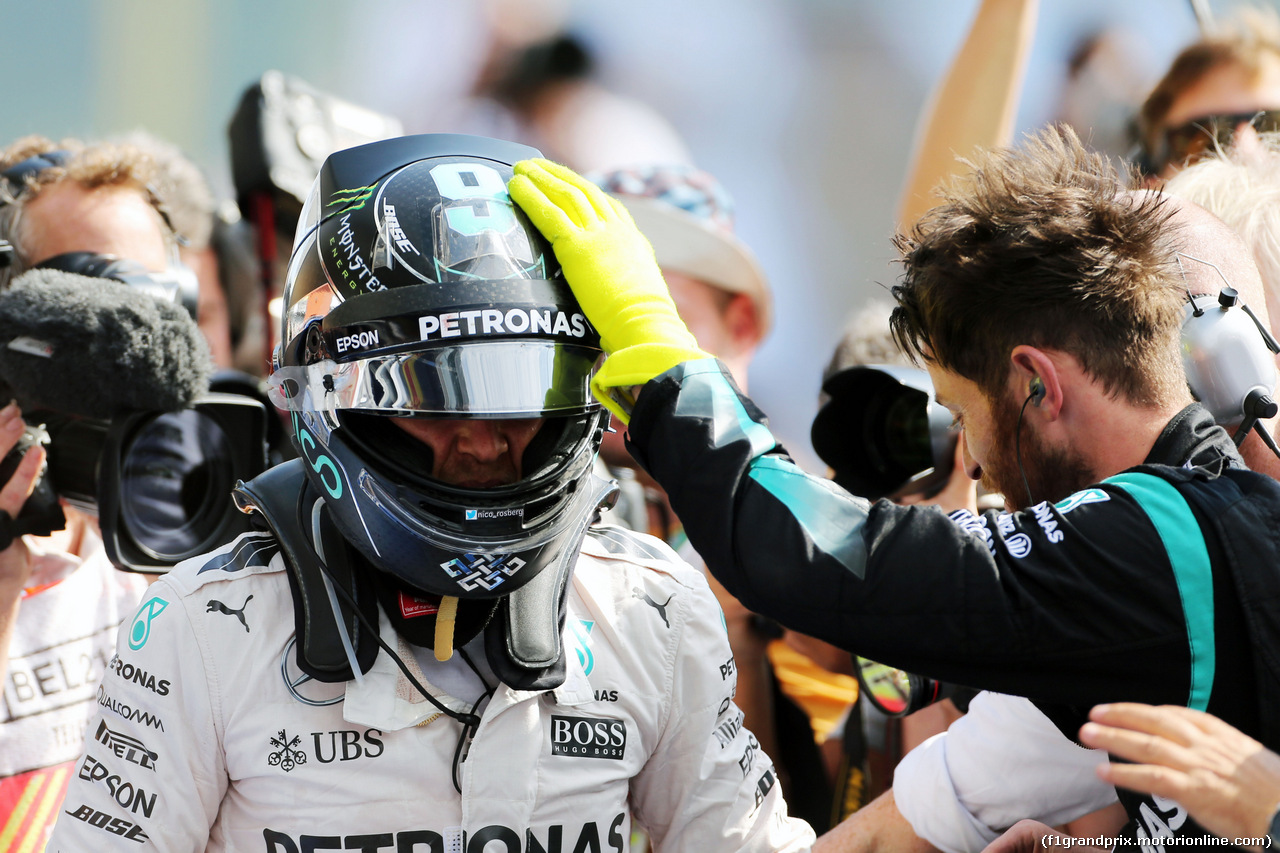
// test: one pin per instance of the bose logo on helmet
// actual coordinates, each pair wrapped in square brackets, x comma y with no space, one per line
[492,321]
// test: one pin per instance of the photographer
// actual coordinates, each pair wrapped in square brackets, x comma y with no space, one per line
[61,601]
[1047,302]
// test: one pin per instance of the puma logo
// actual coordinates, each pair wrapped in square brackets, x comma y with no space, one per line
[214,604]
[636,592]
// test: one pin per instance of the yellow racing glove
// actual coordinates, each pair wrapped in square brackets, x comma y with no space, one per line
[611,268]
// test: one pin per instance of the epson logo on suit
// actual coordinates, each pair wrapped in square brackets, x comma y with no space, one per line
[588,737]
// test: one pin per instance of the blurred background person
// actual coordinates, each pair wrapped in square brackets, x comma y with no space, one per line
[1227,80]
[61,601]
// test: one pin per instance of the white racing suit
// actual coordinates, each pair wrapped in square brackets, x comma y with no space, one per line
[203,744]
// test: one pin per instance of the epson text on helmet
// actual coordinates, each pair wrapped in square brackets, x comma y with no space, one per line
[357,340]
[492,321]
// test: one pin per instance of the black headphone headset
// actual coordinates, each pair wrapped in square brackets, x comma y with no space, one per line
[1037,389]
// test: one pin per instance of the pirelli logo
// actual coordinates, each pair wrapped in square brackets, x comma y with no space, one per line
[588,737]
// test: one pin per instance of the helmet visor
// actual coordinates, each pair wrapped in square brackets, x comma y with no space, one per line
[492,379]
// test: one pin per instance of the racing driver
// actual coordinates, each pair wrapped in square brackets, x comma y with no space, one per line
[430,646]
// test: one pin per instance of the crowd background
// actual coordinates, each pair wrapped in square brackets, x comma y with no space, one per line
[803,108]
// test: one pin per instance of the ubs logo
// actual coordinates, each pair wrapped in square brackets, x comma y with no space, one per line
[346,745]
[588,737]
[287,755]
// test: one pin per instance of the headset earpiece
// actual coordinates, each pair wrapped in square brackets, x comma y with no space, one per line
[1037,390]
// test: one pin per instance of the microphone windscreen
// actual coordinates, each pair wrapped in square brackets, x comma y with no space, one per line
[97,348]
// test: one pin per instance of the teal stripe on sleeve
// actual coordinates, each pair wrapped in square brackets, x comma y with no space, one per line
[832,519]
[1184,543]
[829,516]
[705,393]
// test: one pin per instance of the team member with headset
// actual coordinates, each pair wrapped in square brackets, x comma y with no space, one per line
[1046,301]
[469,664]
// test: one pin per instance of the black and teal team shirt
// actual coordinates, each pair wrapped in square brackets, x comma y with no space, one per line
[1134,589]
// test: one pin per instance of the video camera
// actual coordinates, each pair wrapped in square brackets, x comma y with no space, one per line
[882,433]
[115,383]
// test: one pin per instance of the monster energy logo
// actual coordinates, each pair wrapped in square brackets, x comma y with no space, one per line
[352,199]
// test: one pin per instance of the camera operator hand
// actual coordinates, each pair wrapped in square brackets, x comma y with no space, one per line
[15,561]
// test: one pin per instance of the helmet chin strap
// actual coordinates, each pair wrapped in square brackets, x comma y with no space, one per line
[446,619]
[523,643]
[343,634]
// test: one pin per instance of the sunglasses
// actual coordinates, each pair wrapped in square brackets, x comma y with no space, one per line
[1189,142]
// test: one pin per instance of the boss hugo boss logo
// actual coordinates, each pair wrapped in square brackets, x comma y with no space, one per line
[588,737]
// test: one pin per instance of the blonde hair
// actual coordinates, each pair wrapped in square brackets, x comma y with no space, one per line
[1250,35]
[1243,190]
[91,165]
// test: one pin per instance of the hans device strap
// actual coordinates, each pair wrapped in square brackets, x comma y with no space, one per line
[284,499]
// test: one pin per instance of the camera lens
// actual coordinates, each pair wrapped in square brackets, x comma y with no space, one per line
[906,433]
[176,476]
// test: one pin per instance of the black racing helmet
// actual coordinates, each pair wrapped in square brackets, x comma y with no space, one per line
[416,288]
